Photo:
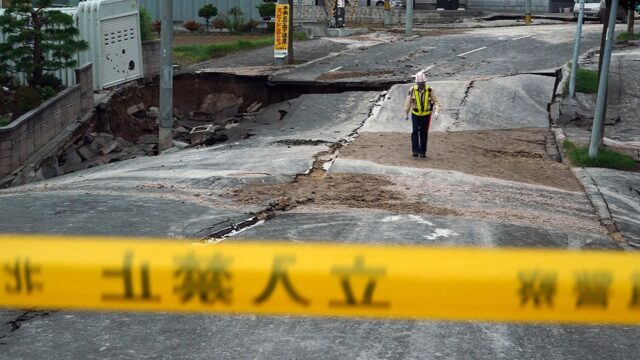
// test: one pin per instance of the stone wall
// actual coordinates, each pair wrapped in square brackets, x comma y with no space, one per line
[151,58]
[23,137]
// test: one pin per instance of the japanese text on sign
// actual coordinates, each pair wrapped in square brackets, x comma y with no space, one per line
[282,31]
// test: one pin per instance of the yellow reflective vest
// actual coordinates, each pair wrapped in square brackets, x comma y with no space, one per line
[421,107]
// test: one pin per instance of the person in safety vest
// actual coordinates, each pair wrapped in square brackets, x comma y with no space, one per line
[419,103]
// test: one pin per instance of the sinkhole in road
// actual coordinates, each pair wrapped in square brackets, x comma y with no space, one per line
[206,107]
[210,103]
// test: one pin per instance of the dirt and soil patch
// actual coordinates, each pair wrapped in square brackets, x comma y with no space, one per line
[520,155]
[361,191]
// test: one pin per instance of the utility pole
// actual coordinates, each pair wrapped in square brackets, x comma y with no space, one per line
[598,118]
[300,14]
[576,51]
[409,19]
[527,12]
[166,77]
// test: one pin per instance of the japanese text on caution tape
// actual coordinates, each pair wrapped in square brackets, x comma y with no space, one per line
[320,279]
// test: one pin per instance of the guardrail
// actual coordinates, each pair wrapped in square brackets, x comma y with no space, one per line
[320,279]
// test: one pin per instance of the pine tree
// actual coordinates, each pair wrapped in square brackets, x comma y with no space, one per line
[38,40]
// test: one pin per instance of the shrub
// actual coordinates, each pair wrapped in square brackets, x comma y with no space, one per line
[146,27]
[207,12]
[234,21]
[26,98]
[267,10]
[192,26]
[157,26]
[271,26]
[219,23]
[46,92]
[52,81]
[250,25]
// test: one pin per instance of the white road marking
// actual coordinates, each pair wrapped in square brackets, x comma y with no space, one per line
[522,37]
[429,68]
[472,51]
[338,68]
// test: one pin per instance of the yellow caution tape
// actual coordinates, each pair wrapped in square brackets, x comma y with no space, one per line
[320,279]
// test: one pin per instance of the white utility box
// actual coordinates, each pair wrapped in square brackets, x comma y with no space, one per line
[112,29]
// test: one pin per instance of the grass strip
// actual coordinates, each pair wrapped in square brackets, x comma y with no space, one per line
[628,37]
[579,156]
[199,53]
[191,54]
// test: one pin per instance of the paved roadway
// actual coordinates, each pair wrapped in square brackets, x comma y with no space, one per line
[181,195]
[473,54]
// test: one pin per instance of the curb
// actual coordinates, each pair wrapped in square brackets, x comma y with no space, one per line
[593,193]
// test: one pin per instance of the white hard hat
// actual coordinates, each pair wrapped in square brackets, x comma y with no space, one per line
[420,77]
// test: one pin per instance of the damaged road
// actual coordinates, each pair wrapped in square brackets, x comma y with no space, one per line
[337,168]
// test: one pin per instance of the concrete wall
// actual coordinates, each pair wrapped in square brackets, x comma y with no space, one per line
[151,57]
[23,137]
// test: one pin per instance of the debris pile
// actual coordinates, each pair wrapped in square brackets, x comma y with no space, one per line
[94,149]
[122,130]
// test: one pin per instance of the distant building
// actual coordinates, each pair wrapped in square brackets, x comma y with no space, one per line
[516,6]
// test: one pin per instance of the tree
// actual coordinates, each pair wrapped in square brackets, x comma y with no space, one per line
[234,20]
[146,26]
[38,40]
[207,12]
[267,10]
[631,8]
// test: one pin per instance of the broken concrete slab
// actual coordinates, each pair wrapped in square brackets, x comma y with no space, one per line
[109,148]
[306,118]
[71,156]
[473,105]
[149,139]
[123,143]
[49,168]
[621,191]
[86,152]
[135,108]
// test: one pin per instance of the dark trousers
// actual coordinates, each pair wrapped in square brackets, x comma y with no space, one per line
[420,133]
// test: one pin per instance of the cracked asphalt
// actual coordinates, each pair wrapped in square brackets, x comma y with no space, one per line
[183,195]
